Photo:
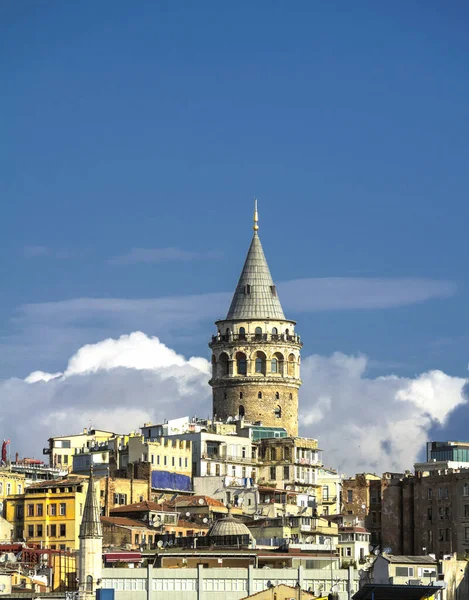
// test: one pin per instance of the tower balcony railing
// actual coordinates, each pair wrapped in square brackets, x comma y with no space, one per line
[256,338]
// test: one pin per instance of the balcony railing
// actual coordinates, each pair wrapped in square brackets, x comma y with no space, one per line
[329,499]
[228,458]
[257,338]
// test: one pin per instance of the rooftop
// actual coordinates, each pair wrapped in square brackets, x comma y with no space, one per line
[416,560]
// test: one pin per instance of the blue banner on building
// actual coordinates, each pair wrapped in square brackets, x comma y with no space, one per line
[170,481]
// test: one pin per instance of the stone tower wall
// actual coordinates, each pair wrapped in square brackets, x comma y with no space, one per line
[270,396]
[227,403]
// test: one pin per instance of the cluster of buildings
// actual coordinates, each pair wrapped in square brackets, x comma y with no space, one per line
[238,504]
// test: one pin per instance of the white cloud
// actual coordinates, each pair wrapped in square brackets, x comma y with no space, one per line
[369,423]
[156,255]
[362,423]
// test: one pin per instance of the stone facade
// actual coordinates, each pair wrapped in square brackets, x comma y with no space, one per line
[256,372]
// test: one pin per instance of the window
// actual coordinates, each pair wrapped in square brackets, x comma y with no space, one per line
[20,488]
[291,365]
[272,473]
[180,461]
[260,362]
[65,459]
[38,530]
[273,454]
[62,509]
[165,460]
[466,533]
[278,412]
[30,531]
[374,520]
[242,333]
[277,396]
[286,473]
[466,510]
[157,459]
[441,534]
[152,459]
[274,365]
[259,394]
[233,470]
[136,538]
[447,535]
[404,571]
[274,331]
[258,332]
[241,363]
[53,530]
[325,492]
[89,583]
[1,488]
[223,364]
[430,513]
[173,461]
[241,410]
[63,530]
[240,395]
[465,490]
[8,489]
[39,510]
[273,290]
[429,493]
[349,495]
[30,510]
[348,551]
[247,289]
[243,472]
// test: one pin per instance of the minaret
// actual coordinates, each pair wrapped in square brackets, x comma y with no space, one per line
[90,554]
[256,352]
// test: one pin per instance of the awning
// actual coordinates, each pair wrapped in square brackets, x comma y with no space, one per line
[112,557]
[375,591]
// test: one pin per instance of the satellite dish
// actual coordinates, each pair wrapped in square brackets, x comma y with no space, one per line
[376,551]
[387,550]
[309,539]
[363,506]
[159,543]
[188,514]
[170,543]
[201,501]
[205,520]
[229,420]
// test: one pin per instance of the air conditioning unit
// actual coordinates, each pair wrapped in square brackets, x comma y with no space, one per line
[414,582]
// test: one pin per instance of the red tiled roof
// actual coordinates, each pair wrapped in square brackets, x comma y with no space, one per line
[124,522]
[188,525]
[195,501]
[140,507]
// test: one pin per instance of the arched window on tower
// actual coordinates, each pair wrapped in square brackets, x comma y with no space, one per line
[240,395]
[214,366]
[223,363]
[291,365]
[89,583]
[258,332]
[242,333]
[260,362]
[274,333]
[278,412]
[276,364]
[277,396]
[241,410]
[259,395]
[241,363]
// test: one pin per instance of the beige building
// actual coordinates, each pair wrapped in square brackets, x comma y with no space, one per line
[6,531]
[256,351]
[404,570]
[329,491]
[62,448]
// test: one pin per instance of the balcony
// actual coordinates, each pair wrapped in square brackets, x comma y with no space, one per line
[228,458]
[329,499]
[253,338]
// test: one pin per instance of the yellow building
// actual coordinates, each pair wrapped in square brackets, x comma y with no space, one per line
[62,448]
[329,492]
[49,513]
[10,483]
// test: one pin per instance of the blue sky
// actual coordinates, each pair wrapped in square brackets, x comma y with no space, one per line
[135,135]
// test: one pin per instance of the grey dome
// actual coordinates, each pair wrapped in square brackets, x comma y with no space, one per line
[229,525]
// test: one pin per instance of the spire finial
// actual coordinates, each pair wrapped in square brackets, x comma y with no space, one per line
[256,216]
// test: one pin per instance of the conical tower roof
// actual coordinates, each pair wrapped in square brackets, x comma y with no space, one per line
[91,522]
[255,296]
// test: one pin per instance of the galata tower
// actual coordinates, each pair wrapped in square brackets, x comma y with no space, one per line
[256,352]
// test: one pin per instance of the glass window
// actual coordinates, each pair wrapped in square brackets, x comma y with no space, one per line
[39,510]
[241,363]
[30,531]
[62,509]
[63,530]
[258,331]
[242,333]
[259,365]
[274,365]
[274,331]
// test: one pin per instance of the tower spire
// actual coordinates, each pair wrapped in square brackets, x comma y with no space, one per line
[256,216]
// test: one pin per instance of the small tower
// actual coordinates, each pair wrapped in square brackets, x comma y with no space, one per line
[90,554]
[256,352]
